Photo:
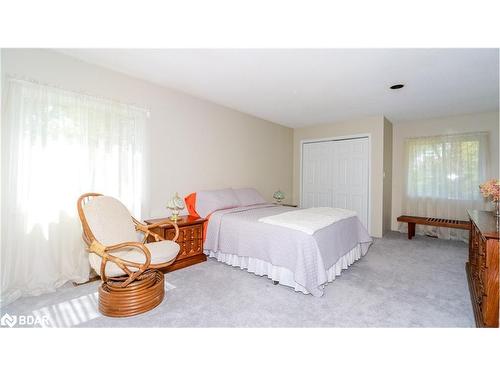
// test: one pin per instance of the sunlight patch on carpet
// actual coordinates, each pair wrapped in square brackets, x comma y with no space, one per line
[73,312]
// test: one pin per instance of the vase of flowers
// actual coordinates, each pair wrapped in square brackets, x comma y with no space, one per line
[491,190]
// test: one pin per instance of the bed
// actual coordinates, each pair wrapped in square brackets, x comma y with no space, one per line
[306,262]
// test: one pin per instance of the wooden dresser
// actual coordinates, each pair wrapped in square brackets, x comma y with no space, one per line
[482,268]
[190,240]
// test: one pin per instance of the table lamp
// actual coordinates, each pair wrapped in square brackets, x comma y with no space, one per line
[279,196]
[175,204]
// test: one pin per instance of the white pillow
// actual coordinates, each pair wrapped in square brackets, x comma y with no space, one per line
[208,201]
[249,196]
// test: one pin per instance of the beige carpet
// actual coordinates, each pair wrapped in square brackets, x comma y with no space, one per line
[399,283]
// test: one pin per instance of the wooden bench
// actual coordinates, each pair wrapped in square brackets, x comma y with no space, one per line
[446,223]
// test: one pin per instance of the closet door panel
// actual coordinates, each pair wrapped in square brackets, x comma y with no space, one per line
[336,174]
[316,169]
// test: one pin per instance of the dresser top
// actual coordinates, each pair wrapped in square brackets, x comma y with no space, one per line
[183,221]
[486,222]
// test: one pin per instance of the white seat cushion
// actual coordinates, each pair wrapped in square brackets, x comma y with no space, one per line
[161,252]
[109,220]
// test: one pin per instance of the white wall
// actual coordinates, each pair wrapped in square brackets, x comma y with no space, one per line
[445,125]
[194,144]
[387,199]
[370,125]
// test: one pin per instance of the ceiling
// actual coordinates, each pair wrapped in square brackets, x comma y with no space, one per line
[301,87]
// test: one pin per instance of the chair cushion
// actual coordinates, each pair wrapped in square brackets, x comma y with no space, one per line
[161,252]
[109,220]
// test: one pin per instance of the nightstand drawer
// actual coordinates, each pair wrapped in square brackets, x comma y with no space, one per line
[190,233]
[190,241]
[190,248]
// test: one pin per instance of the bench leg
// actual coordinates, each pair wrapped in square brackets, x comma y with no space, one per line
[411,230]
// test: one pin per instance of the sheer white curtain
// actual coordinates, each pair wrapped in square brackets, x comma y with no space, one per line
[57,145]
[443,177]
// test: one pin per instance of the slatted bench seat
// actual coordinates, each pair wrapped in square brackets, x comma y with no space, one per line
[435,222]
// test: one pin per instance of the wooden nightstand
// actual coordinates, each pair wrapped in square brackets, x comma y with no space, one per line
[190,239]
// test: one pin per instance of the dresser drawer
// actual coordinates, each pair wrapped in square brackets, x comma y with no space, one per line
[483,267]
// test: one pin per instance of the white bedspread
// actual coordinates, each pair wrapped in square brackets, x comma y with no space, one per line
[309,258]
[309,220]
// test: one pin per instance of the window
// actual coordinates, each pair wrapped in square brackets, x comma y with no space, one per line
[446,167]
[58,145]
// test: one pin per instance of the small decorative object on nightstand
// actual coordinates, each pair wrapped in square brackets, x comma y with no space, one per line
[175,204]
[190,240]
[279,196]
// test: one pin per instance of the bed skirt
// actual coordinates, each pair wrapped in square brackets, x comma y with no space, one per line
[283,275]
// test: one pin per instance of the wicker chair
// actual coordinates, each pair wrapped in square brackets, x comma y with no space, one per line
[131,282]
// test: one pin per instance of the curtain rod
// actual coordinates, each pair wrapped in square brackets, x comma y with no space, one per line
[23,79]
[450,135]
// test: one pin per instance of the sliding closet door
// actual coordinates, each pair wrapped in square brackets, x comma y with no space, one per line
[335,174]
[317,174]
[350,176]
